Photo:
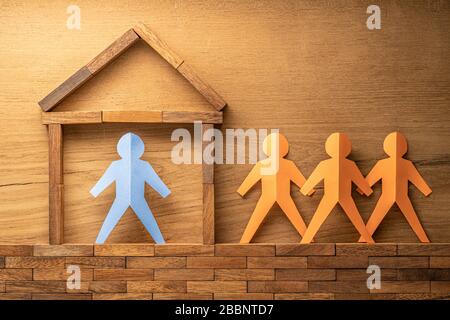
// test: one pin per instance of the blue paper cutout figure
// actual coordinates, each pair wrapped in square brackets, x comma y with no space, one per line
[130,174]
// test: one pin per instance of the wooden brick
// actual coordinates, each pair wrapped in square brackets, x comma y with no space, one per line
[245,250]
[338,262]
[2,286]
[55,181]
[207,168]
[130,250]
[2,262]
[36,286]
[212,117]
[184,274]
[362,275]
[400,262]
[107,286]
[424,274]
[440,287]
[60,274]
[184,250]
[65,89]
[208,213]
[64,250]
[158,45]
[100,287]
[124,274]
[15,296]
[34,262]
[216,262]
[314,249]
[304,296]
[439,262]
[338,286]
[422,296]
[122,296]
[305,274]
[216,286]
[403,287]
[155,262]
[425,249]
[113,51]
[242,296]
[97,262]
[156,286]
[62,296]
[361,249]
[56,214]
[182,296]
[364,296]
[71,117]
[202,87]
[276,262]
[277,286]
[16,274]
[244,274]
[132,116]
[16,250]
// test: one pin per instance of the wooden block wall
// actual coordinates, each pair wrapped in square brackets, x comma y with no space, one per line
[225,271]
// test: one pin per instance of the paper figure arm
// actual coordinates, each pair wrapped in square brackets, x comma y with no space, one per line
[154,181]
[359,180]
[105,181]
[313,180]
[373,177]
[417,180]
[297,177]
[253,177]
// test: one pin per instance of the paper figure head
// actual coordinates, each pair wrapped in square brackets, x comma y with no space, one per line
[130,146]
[338,145]
[395,144]
[276,143]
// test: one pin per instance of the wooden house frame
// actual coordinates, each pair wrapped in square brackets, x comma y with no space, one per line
[56,120]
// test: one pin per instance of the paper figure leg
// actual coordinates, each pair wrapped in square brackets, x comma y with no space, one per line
[116,212]
[321,214]
[262,208]
[378,214]
[290,209]
[407,209]
[148,220]
[352,212]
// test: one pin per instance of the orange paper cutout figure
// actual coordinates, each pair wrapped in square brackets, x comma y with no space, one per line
[276,174]
[338,174]
[395,173]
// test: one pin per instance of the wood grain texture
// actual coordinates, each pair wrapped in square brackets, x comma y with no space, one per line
[66,88]
[56,184]
[307,69]
[132,116]
[184,250]
[158,45]
[34,262]
[207,168]
[79,250]
[113,51]
[190,117]
[75,117]
[156,286]
[208,214]
[202,87]
[124,274]
[235,250]
[111,250]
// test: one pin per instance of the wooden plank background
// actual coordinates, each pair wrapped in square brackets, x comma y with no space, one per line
[309,68]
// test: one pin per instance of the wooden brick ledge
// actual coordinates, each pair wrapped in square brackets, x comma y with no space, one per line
[225,271]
